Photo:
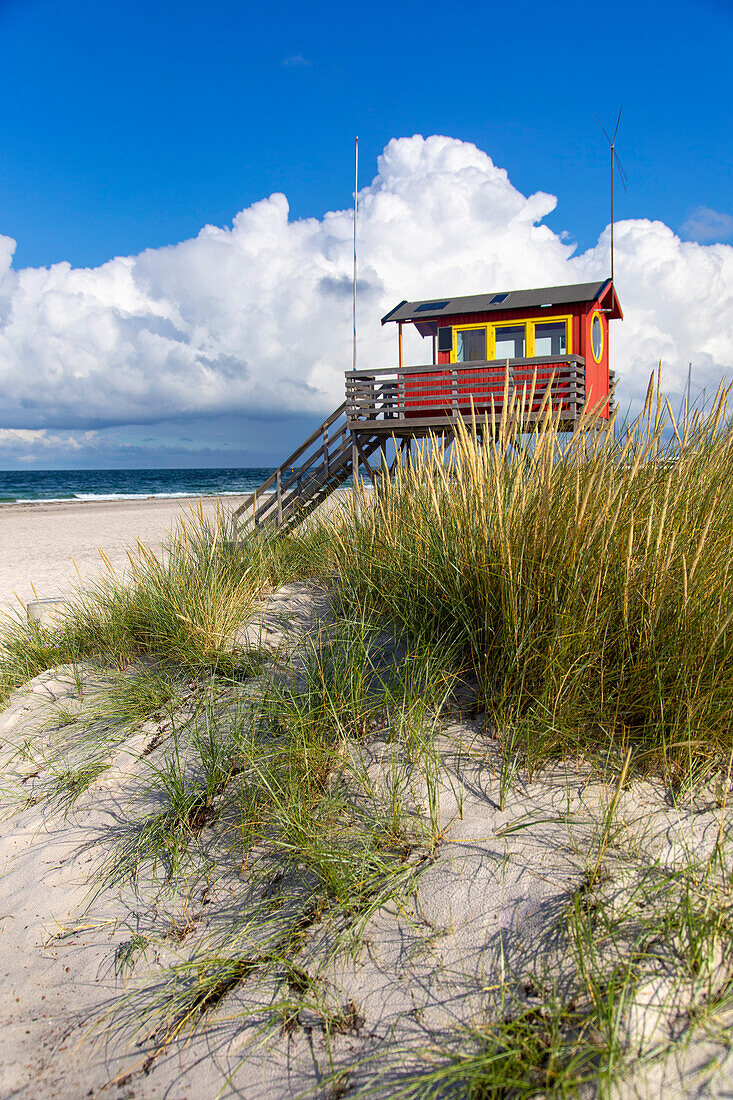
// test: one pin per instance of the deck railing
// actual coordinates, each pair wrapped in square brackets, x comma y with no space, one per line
[426,396]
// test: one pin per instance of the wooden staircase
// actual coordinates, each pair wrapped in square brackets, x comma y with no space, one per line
[310,474]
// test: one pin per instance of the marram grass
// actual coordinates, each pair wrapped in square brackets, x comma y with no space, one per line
[585,580]
[582,583]
[182,605]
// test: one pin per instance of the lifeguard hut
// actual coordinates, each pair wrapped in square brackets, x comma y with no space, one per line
[550,342]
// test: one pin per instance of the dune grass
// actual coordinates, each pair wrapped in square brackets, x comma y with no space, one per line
[277,767]
[182,606]
[305,800]
[637,968]
[586,581]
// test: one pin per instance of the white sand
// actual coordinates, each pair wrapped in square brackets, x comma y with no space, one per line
[47,546]
[487,915]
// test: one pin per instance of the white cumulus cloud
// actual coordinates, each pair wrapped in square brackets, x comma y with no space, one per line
[256,318]
[33,444]
[40,437]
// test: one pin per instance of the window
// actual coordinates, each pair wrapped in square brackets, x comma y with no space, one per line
[596,337]
[510,342]
[502,340]
[470,345]
[445,339]
[550,338]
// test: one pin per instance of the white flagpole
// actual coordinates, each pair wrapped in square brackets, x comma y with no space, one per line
[356,199]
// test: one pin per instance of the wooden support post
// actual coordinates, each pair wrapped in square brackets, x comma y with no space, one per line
[325,451]
[364,460]
[279,496]
[397,453]
[354,459]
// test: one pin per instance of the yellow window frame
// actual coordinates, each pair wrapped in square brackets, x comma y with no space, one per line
[466,328]
[550,320]
[529,327]
[597,313]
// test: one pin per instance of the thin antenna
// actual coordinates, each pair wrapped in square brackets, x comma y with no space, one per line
[356,203]
[622,174]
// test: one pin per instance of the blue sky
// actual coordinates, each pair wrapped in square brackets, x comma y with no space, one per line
[130,126]
[134,124]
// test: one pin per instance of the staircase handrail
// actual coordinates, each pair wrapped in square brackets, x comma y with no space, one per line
[302,485]
[247,503]
[302,471]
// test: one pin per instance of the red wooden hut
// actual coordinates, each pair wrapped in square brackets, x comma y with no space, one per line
[552,335]
[551,342]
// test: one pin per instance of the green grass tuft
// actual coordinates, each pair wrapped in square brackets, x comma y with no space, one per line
[586,581]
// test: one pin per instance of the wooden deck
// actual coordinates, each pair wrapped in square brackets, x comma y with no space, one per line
[410,401]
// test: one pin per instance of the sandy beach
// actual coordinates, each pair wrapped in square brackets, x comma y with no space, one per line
[49,546]
[185,914]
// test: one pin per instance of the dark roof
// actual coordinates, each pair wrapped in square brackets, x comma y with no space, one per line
[497,300]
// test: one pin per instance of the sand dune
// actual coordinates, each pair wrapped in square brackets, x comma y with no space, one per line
[480,934]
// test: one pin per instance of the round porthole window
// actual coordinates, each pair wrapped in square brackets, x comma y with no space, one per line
[596,337]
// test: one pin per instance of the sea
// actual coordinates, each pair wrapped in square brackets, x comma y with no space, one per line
[25,486]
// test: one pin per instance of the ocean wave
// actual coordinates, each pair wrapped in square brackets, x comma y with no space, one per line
[87,497]
[163,496]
